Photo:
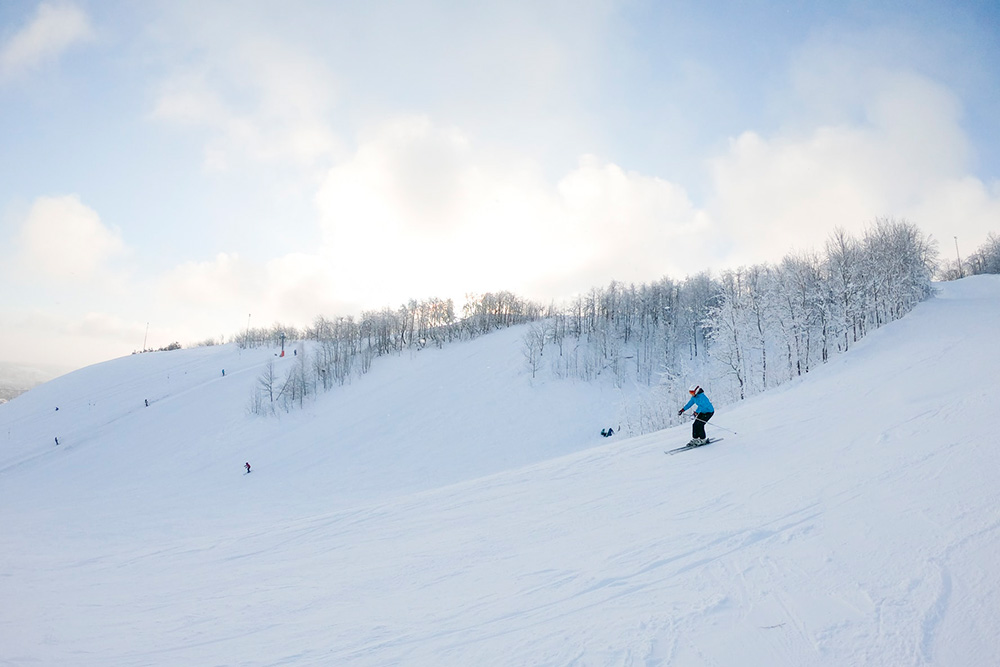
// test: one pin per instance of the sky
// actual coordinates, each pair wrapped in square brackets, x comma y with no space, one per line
[174,171]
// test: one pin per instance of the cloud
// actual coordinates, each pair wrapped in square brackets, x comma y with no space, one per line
[53,30]
[107,328]
[64,239]
[188,100]
[259,100]
[899,149]
[211,283]
[632,227]
[419,209]
[406,176]
[68,338]
[295,288]
[964,207]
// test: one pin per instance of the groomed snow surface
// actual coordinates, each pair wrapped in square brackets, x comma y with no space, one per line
[445,509]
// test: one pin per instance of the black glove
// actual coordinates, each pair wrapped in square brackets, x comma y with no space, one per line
[680,412]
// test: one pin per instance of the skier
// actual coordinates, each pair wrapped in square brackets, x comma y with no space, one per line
[704,412]
[248,466]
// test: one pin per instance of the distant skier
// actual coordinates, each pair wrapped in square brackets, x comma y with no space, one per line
[248,466]
[57,437]
[607,432]
[147,402]
[704,412]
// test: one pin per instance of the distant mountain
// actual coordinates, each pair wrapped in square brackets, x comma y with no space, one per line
[15,379]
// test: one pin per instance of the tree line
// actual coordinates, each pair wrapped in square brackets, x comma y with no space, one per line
[741,332]
[345,347]
[986,259]
[737,333]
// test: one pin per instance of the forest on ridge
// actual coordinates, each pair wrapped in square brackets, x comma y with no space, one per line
[737,333]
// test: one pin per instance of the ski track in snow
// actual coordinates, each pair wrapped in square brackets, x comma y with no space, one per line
[446,510]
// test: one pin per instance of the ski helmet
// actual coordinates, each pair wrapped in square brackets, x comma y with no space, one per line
[693,389]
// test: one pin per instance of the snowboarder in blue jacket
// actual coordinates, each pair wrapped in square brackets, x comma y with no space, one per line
[703,412]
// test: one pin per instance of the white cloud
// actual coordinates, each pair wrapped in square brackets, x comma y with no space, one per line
[420,211]
[906,155]
[964,207]
[293,288]
[301,286]
[64,239]
[108,328]
[632,227]
[211,283]
[406,174]
[188,99]
[69,339]
[52,31]
[260,101]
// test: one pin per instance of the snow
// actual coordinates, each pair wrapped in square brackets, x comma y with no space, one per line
[446,509]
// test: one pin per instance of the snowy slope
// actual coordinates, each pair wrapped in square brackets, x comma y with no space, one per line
[415,422]
[444,511]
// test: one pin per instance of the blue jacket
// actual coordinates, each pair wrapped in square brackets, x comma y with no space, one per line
[704,405]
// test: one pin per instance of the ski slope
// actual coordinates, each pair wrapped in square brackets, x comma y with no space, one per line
[446,510]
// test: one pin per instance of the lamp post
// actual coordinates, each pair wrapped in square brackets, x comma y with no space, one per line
[961,274]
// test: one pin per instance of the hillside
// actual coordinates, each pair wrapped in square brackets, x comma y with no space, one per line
[445,510]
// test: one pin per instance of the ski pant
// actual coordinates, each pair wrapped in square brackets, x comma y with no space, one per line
[698,427]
